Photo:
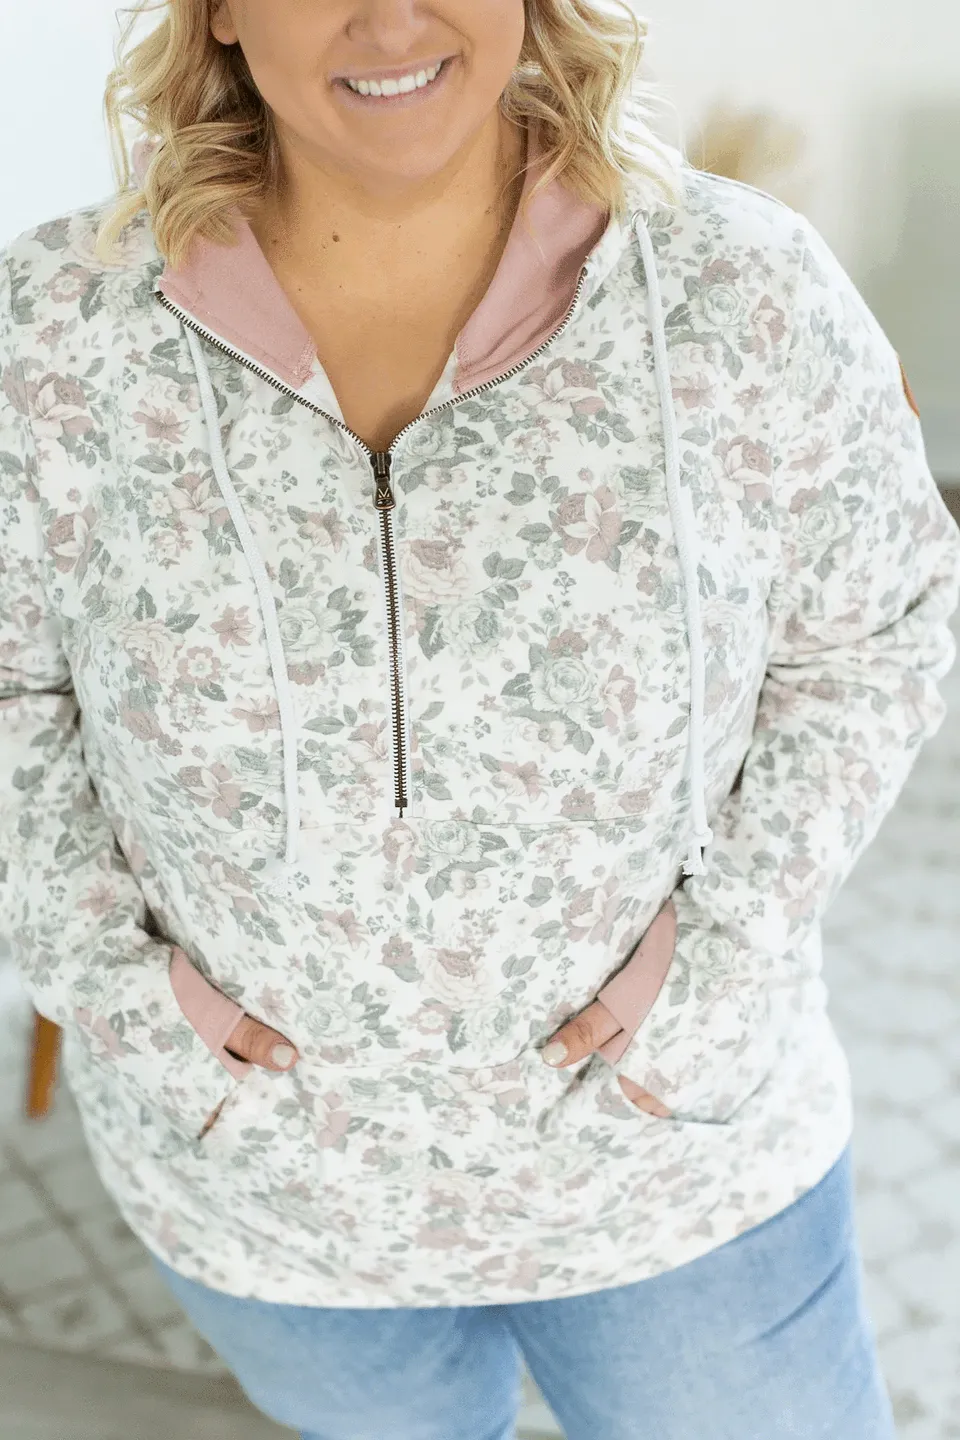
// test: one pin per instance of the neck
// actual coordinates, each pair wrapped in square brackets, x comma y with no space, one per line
[320,214]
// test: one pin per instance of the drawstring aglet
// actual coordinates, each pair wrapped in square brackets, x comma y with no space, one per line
[280,879]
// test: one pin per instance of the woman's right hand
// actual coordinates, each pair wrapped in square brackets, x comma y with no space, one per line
[250,1040]
[257,1043]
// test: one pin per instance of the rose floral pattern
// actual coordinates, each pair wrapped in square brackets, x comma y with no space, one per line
[421,1153]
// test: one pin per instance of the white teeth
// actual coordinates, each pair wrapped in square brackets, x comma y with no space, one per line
[403,86]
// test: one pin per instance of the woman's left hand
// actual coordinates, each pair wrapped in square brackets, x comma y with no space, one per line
[585,1033]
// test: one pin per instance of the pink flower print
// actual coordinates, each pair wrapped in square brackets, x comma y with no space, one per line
[798,886]
[772,318]
[71,281]
[69,541]
[343,926]
[592,914]
[590,522]
[163,425]
[396,953]
[446,1237]
[100,898]
[399,847]
[747,465]
[618,696]
[523,782]
[697,392]
[213,786]
[167,1237]
[367,744]
[229,880]
[235,627]
[60,408]
[435,571]
[580,804]
[524,1271]
[98,1027]
[325,530]
[334,1121]
[259,715]
[568,642]
[560,390]
[200,666]
[577,375]
[307,672]
[815,459]
[433,1018]
[141,723]
[150,644]
[196,502]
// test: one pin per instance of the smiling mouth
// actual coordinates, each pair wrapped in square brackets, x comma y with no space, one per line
[384,91]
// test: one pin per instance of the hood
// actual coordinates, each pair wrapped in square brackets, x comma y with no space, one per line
[232,292]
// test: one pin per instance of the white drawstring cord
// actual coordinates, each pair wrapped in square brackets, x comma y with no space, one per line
[685,535]
[280,869]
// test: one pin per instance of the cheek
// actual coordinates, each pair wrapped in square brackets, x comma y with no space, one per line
[496,30]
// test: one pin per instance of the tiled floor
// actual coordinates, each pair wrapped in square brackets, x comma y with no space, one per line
[73,1278]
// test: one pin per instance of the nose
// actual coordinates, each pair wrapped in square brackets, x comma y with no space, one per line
[395,27]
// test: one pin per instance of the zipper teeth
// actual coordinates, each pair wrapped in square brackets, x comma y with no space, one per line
[279,384]
[397,677]
[396,670]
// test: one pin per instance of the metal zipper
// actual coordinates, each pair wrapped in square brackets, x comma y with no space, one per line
[384,504]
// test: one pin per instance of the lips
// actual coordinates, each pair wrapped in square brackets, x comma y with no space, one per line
[396,74]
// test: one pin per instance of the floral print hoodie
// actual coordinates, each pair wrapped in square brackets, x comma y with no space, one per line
[597,684]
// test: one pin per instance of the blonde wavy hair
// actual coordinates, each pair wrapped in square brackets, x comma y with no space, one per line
[216,144]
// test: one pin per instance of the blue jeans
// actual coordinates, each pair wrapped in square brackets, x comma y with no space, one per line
[763,1338]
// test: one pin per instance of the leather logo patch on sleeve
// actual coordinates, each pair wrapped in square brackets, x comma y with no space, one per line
[911,399]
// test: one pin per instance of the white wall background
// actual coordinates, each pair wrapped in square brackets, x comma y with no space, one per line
[876,86]
[874,83]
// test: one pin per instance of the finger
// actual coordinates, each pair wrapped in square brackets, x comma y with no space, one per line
[643,1099]
[581,1036]
[262,1046]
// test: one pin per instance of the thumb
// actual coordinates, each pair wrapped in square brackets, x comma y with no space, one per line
[262,1046]
[582,1035]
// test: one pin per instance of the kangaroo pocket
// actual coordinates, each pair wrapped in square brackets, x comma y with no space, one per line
[321,1141]
[441,1150]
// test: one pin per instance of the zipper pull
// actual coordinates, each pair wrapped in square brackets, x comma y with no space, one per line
[383,491]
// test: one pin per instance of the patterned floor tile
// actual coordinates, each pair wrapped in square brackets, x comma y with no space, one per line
[74,1319]
[110,1239]
[73,1186]
[48,1259]
[54,1138]
[20,1209]
[146,1294]
[183,1347]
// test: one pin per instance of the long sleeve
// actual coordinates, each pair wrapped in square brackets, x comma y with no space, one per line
[860,641]
[69,904]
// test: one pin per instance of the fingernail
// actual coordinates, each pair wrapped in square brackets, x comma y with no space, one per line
[283,1055]
[555,1053]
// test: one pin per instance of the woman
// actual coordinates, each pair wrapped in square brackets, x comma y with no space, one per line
[498,578]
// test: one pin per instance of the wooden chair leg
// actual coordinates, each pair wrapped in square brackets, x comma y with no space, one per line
[42,1078]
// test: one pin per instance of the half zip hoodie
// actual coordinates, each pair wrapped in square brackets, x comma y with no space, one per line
[283,869]
[595,685]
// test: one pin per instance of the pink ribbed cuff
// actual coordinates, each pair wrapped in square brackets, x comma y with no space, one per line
[630,995]
[212,1014]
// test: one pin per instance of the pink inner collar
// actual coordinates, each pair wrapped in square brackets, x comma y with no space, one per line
[233,291]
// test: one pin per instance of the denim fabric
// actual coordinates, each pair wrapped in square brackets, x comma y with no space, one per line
[765,1337]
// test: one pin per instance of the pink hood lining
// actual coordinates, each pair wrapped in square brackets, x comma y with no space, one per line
[234,292]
